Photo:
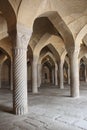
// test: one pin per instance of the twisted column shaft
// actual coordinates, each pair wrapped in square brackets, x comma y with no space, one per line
[11,76]
[20,105]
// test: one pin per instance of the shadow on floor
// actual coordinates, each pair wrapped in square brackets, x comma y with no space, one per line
[66,95]
[7,109]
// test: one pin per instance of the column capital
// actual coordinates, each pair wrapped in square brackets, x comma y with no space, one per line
[56,66]
[22,40]
[61,62]
[23,36]
[74,53]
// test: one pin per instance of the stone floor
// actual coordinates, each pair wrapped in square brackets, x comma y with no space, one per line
[50,109]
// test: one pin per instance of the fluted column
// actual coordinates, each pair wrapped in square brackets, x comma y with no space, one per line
[56,76]
[74,74]
[20,104]
[39,75]
[61,75]
[34,77]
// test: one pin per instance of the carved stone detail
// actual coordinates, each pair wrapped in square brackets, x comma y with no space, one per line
[20,82]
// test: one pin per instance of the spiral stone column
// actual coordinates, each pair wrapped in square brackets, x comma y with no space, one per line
[11,76]
[20,105]
[56,76]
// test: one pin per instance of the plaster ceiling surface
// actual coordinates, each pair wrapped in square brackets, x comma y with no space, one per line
[83,51]
[72,12]
[85,39]
[3,57]
[15,4]
[31,9]
[49,50]
[6,46]
[3,27]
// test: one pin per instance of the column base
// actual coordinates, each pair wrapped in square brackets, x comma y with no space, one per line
[86,80]
[20,111]
[75,94]
[56,84]
[11,88]
[35,90]
[61,87]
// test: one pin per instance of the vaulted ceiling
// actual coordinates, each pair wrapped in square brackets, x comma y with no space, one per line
[46,19]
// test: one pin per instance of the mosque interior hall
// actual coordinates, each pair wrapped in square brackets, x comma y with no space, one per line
[43,64]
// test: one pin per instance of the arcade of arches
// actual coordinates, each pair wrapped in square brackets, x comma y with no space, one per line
[42,43]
